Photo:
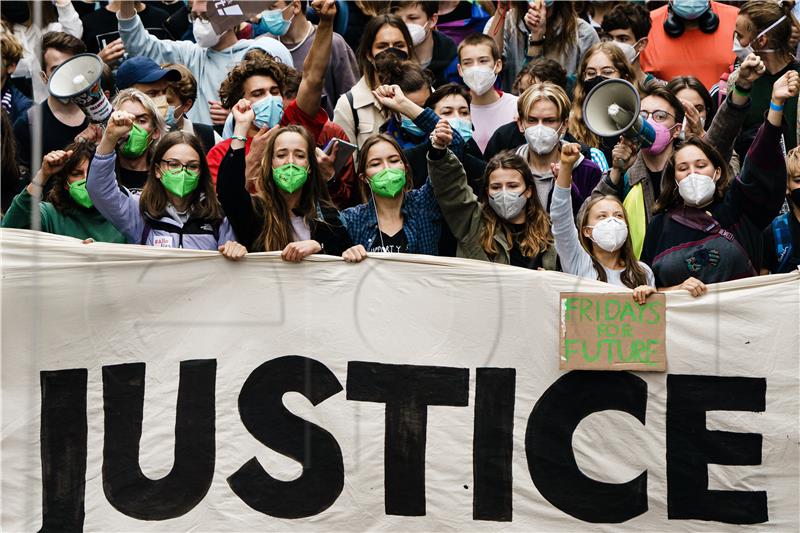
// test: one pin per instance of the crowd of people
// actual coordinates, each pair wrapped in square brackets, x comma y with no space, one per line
[451,128]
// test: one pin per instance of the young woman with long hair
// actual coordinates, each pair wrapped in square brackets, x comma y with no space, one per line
[507,223]
[396,218]
[291,210]
[708,227]
[177,207]
[600,247]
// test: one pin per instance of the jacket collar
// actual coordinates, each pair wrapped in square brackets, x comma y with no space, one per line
[362,95]
[638,171]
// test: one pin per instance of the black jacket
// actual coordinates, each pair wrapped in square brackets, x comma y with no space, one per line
[443,60]
[247,222]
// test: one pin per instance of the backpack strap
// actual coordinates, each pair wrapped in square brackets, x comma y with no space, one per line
[145,232]
[699,220]
[353,110]
[783,240]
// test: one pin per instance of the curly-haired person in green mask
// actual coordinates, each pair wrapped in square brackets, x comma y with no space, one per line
[68,210]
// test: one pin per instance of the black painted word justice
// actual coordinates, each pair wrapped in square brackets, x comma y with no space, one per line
[406,391]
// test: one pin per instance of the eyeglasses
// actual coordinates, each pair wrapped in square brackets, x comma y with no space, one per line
[201,16]
[658,115]
[605,71]
[174,165]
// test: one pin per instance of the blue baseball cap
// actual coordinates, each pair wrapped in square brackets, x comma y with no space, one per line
[139,69]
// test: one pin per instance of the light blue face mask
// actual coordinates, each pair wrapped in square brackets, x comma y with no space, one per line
[412,128]
[268,112]
[171,119]
[462,126]
[689,9]
[272,21]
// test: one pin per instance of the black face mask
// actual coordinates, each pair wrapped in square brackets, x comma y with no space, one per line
[391,52]
[16,12]
[591,83]
[794,196]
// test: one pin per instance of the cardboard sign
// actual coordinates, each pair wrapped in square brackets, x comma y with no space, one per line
[612,332]
[226,14]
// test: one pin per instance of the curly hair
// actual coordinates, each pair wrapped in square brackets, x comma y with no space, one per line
[536,236]
[59,195]
[232,88]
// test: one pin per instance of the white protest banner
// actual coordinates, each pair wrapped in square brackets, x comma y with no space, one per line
[150,389]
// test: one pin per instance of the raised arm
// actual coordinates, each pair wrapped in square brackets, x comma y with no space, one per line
[574,259]
[392,97]
[460,207]
[69,19]
[729,118]
[309,93]
[119,208]
[21,208]
[231,190]
[762,182]
[138,41]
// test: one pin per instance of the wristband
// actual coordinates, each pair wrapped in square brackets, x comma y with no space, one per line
[741,91]
[775,107]
[239,138]
[531,42]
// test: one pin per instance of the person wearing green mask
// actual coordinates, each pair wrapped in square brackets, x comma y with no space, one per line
[177,207]
[68,210]
[134,150]
[291,211]
[397,218]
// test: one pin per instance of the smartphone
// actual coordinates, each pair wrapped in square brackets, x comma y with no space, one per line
[345,150]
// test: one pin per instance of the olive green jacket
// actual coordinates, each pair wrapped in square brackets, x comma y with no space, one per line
[463,213]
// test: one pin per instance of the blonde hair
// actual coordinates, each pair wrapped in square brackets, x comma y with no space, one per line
[135,95]
[11,49]
[793,162]
[543,91]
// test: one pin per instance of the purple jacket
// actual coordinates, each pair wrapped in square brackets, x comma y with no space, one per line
[121,208]
[585,176]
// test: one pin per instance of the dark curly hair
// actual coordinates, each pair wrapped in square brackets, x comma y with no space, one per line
[232,88]
[59,195]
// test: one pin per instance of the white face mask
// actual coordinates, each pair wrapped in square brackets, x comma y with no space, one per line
[204,34]
[479,79]
[629,50]
[609,234]
[743,51]
[418,33]
[542,139]
[696,189]
[507,204]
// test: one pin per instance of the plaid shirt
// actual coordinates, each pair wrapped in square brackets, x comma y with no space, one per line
[421,221]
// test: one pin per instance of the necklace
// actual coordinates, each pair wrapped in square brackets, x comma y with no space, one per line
[303,40]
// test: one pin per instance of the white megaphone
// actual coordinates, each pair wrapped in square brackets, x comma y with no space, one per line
[612,109]
[78,80]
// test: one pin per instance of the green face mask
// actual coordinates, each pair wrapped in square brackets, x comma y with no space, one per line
[388,182]
[180,183]
[289,177]
[137,143]
[77,189]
